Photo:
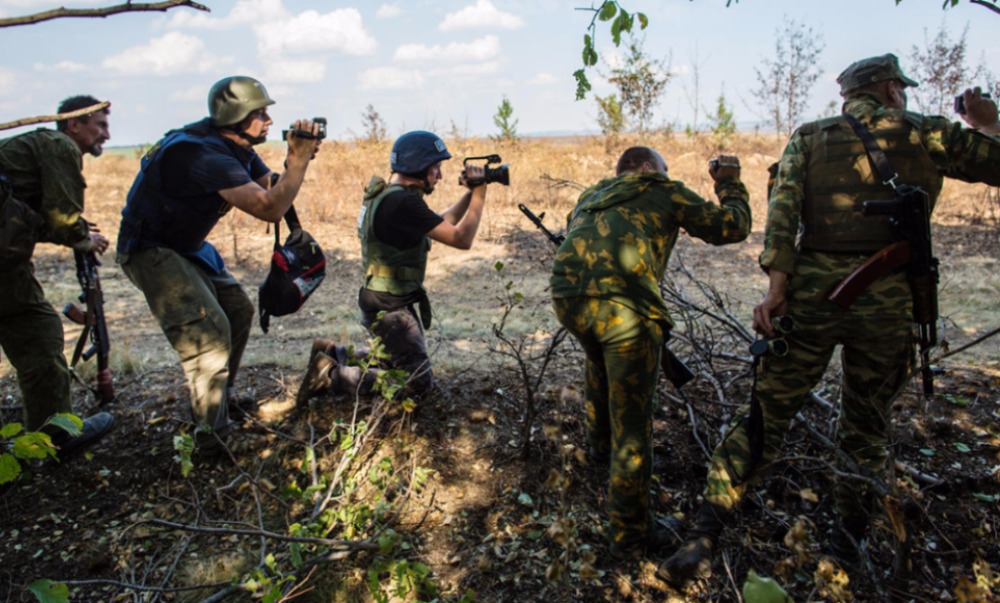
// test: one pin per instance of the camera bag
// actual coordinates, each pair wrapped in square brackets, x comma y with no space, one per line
[297,269]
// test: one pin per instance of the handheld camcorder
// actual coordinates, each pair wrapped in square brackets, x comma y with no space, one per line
[960,102]
[498,174]
[320,133]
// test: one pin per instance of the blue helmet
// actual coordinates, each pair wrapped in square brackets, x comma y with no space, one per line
[415,151]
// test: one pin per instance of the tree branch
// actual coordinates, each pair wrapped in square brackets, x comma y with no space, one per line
[27,121]
[991,6]
[128,7]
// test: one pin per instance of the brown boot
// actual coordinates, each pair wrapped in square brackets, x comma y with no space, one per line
[694,558]
[317,377]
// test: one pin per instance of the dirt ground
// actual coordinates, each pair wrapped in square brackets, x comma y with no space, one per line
[470,509]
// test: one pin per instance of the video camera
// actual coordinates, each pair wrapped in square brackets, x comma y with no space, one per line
[960,102]
[320,134]
[500,174]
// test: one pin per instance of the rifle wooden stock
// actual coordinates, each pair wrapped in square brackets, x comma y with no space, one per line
[882,262]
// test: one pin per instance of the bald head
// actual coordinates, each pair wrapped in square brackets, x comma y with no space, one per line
[641,159]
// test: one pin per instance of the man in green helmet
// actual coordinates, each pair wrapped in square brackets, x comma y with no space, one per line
[40,172]
[187,182]
[817,234]
[396,228]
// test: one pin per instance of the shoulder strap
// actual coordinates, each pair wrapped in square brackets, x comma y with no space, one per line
[291,218]
[875,153]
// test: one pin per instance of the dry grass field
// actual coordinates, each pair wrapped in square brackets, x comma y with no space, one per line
[483,518]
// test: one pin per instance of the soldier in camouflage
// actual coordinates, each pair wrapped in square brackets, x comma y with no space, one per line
[816,236]
[606,292]
[42,170]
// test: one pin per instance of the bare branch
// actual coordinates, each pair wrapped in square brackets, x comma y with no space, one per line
[27,121]
[128,7]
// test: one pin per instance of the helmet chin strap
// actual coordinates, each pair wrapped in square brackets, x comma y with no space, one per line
[253,140]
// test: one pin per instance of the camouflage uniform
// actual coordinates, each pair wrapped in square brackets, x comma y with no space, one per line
[823,177]
[605,289]
[44,169]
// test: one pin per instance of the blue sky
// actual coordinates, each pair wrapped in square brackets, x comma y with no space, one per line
[426,64]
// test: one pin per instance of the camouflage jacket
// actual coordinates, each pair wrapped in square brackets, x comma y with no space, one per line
[44,167]
[623,229]
[955,151]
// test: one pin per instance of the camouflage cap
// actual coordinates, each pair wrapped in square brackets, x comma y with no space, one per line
[871,70]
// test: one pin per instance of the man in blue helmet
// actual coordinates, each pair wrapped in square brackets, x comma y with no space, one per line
[396,228]
[188,181]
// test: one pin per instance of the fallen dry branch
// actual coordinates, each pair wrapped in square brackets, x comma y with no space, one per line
[107,11]
[27,121]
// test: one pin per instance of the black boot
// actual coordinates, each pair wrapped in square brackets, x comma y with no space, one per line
[694,558]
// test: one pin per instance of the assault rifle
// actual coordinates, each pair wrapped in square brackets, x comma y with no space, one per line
[910,215]
[673,367]
[94,326]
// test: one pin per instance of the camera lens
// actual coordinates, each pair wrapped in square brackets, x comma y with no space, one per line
[500,174]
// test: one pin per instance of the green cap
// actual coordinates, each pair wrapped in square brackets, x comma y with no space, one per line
[871,70]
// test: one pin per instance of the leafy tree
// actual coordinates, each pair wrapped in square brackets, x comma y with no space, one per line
[374,125]
[940,67]
[503,121]
[622,21]
[784,83]
[993,5]
[723,122]
[611,118]
[640,82]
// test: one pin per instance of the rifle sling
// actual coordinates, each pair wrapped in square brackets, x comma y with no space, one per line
[875,152]
[882,262]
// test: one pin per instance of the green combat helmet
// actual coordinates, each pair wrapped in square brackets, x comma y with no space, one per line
[231,99]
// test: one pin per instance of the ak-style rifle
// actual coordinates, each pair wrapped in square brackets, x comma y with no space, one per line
[910,215]
[673,367]
[95,328]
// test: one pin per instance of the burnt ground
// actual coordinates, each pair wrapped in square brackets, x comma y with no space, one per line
[441,501]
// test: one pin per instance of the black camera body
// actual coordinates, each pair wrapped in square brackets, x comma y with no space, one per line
[498,174]
[960,102]
[320,133]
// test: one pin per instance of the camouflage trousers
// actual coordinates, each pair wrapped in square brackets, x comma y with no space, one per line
[31,335]
[876,357]
[623,359]
[206,317]
[402,338]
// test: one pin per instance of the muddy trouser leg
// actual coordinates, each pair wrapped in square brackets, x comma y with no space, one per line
[182,298]
[31,335]
[402,337]
[623,354]
[876,360]
[239,310]
[783,387]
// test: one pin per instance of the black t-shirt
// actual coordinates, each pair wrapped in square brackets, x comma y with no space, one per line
[191,170]
[403,219]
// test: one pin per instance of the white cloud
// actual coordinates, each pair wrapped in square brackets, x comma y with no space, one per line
[8,82]
[542,79]
[190,94]
[471,69]
[388,10]
[294,71]
[245,11]
[483,49]
[341,30]
[480,15]
[389,78]
[173,53]
[62,66]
